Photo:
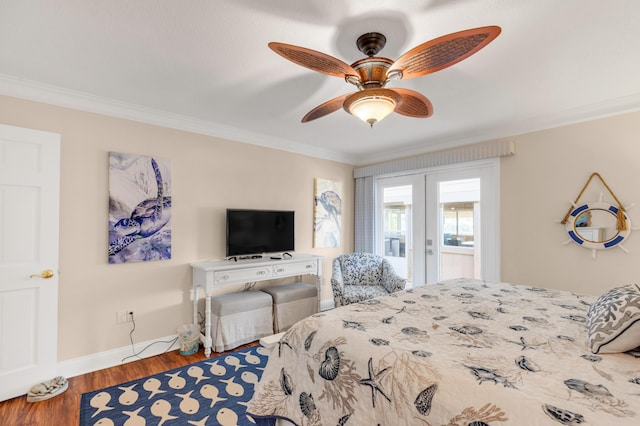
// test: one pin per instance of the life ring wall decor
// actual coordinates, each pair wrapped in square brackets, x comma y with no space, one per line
[597,225]
[572,226]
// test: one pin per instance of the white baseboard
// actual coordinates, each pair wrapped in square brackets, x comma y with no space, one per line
[87,364]
[119,356]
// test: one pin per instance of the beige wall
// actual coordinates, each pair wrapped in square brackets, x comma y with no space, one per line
[548,171]
[209,175]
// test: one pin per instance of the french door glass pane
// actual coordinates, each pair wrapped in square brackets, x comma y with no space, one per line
[398,206]
[459,206]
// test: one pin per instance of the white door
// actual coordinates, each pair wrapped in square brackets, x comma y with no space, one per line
[442,223]
[29,218]
[401,226]
[462,210]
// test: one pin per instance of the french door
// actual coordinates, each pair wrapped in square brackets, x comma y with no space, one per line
[400,225]
[441,223]
[462,230]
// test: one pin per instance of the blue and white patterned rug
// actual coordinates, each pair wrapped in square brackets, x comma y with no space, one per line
[210,392]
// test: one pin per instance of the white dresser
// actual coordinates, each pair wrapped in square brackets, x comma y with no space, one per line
[212,275]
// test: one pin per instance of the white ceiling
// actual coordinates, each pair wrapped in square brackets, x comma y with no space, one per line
[204,66]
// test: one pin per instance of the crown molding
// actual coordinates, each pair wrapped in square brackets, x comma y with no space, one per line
[49,94]
[40,92]
[599,110]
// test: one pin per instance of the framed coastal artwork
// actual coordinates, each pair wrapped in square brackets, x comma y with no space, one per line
[327,218]
[139,208]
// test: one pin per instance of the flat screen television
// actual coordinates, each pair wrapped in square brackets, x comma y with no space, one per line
[254,232]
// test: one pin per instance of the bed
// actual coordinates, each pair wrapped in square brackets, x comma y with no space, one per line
[460,352]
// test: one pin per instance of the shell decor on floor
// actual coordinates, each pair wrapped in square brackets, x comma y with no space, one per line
[48,389]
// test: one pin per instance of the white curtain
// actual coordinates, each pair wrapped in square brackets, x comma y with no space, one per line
[365,229]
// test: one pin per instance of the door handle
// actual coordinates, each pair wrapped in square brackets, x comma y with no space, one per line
[47,273]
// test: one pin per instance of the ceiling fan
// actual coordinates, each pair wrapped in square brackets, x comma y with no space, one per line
[372,102]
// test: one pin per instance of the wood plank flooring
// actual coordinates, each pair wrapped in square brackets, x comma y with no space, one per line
[64,409]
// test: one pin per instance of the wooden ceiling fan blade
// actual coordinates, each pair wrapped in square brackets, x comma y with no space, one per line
[314,60]
[326,108]
[413,104]
[442,52]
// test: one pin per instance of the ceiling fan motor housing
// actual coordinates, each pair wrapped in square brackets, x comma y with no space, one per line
[371,43]
[372,71]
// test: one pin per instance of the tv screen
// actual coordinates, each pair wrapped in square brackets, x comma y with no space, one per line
[251,232]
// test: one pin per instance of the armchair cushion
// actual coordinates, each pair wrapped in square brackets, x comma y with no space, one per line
[359,293]
[360,276]
[391,281]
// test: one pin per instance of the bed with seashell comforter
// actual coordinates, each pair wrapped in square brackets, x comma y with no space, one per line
[461,352]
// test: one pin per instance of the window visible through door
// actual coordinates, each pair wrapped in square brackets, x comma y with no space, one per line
[459,207]
[397,230]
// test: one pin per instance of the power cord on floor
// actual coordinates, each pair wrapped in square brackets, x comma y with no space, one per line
[137,354]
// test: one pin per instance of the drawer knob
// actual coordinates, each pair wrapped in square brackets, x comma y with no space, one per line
[311,266]
[260,272]
[280,270]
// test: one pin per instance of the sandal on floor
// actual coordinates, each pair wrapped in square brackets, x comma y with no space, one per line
[48,389]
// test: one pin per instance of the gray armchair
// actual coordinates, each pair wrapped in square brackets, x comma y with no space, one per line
[360,276]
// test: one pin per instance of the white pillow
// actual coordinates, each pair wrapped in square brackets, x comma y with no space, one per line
[614,320]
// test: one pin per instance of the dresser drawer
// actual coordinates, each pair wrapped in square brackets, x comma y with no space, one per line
[288,269]
[242,275]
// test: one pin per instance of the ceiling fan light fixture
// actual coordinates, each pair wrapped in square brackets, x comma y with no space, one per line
[372,105]
[372,109]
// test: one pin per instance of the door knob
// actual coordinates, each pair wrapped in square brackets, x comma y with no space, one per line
[47,273]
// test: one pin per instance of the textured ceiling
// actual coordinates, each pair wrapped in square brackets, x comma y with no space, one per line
[204,66]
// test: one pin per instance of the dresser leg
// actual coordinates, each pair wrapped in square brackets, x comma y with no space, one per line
[319,284]
[195,305]
[207,326]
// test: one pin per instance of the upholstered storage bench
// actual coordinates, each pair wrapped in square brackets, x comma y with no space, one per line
[239,318]
[291,303]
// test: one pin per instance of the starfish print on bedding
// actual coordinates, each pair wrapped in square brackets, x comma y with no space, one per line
[281,343]
[374,382]
[523,343]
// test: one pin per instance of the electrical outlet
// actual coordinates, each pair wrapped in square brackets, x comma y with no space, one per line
[124,316]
